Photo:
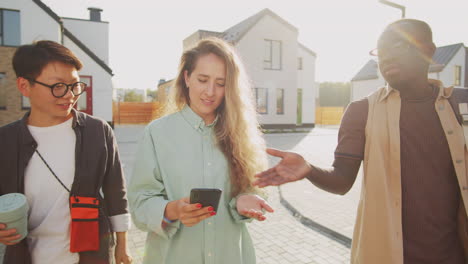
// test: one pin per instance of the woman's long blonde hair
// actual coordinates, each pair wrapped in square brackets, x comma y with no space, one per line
[237,130]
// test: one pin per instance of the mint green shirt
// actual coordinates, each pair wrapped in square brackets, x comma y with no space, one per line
[178,153]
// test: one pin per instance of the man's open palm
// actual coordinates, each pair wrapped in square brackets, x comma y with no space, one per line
[292,167]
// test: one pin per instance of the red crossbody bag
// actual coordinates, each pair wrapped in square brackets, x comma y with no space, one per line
[84,235]
[84,212]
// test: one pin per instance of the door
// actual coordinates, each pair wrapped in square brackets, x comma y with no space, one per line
[299,107]
[85,103]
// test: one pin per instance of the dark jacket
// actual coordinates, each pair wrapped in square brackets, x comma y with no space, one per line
[97,167]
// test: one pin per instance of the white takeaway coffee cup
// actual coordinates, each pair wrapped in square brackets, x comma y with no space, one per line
[14,213]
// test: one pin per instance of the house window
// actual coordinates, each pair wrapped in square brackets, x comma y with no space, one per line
[3,99]
[261,99]
[10,34]
[457,81]
[272,56]
[299,63]
[280,101]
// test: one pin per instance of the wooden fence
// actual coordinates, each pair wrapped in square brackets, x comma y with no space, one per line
[328,115]
[143,113]
[135,113]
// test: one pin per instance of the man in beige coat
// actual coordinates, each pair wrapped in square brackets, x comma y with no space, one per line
[410,139]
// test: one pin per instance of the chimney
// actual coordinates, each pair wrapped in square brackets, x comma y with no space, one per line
[95,14]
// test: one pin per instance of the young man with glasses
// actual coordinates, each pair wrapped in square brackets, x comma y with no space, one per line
[410,138]
[54,154]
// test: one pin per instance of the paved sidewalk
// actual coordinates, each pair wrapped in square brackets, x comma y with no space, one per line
[336,212]
[281,238]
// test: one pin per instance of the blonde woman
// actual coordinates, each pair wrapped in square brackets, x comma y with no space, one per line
[209,139]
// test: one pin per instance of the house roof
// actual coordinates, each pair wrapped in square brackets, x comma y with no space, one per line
[207,33]
[443,55]
[48,11]
[87,51]
[441,58]
[164,82]
[368,72]
[72,37]
[82,19]
[308,50]
[236,32]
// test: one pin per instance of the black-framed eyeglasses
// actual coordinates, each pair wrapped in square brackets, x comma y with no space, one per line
[61,89]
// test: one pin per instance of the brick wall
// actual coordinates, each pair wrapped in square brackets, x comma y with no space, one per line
[12,110]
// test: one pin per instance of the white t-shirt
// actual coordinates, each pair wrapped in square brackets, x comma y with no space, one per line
[49,214]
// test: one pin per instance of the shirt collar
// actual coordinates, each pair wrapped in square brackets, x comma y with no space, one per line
[443,92]
[388,91]
[78,120]
[195,120]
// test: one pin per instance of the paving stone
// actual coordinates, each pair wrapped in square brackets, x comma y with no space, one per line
[281,239]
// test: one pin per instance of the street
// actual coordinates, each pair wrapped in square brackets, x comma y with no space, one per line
[313,233]
[282,238]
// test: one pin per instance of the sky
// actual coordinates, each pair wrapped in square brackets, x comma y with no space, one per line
[145,36]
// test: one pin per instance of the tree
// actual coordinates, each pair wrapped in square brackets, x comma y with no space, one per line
[334,93]
[132,96]
[153,94]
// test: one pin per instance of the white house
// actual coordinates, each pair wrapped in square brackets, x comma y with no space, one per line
[450,65]
[281,69]
[88,39]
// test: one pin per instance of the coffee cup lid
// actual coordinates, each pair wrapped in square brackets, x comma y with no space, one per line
[12,207]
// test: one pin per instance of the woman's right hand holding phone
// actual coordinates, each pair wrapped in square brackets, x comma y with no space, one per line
[187,213]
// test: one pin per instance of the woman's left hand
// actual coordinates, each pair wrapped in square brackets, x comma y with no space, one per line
[121,254]
[251,205]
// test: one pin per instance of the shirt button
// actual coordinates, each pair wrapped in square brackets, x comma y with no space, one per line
[209,163]
[450,132]
[441,107]
[459,161]
[209,254]
[209,223]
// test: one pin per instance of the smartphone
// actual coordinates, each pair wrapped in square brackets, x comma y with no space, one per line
[206,197]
